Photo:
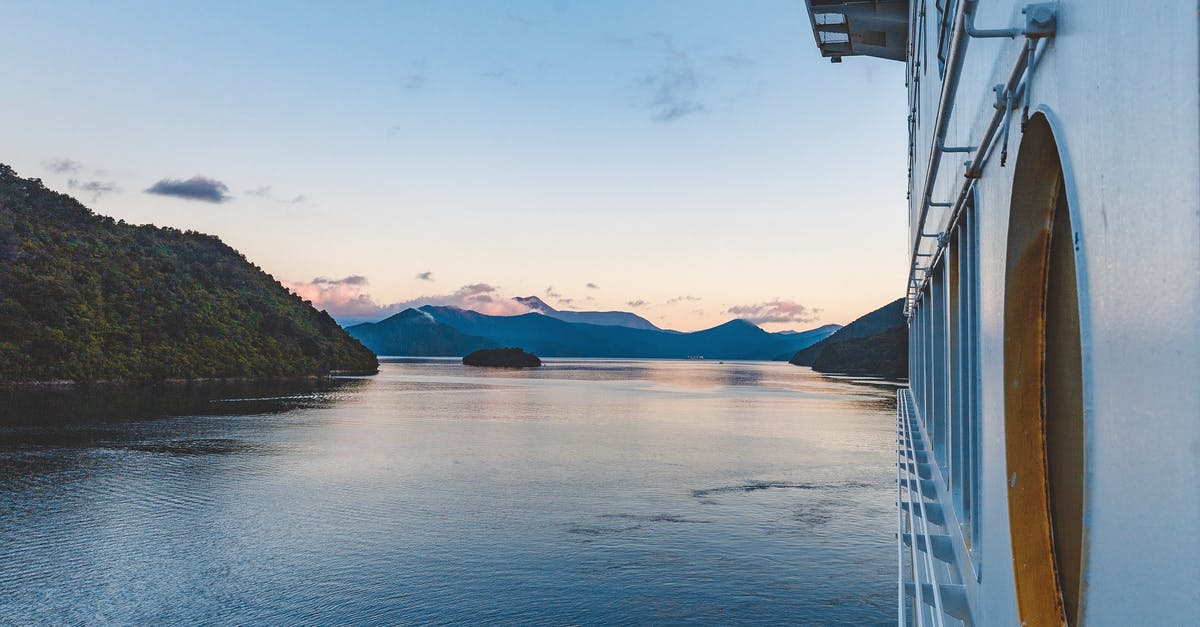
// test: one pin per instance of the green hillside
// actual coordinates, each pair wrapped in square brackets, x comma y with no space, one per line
[875,344]
[86,298]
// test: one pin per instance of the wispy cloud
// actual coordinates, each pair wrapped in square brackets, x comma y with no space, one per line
[266,192]
[671,90]
[503,75]
[353,279]
[681,299]
[196,188]
[63,166]
[550,293]
[482,297]
[637,303]
[413,82]
[425,276]
[775,311]
[593,286]
[347,299]
[95,188]
[343,298]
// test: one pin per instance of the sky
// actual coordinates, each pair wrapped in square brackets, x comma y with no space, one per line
[691,161]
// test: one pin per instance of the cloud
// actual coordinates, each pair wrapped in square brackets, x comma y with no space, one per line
[413,82]
[680,299]
[95,188]
[568,302]
[504,75]
[482,297]
[347,301]
[266,192]
[593,286]
[196,188]
[671,90]
[775,311]
[636,303]
[63,166]
[353,279]
[551,293]
[425,276]
[342,298]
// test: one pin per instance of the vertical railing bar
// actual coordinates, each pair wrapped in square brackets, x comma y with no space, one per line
[937,593]
[919,592]
[899,514]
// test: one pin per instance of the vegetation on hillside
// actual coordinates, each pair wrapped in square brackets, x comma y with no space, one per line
[86,298]
[875,344]
[502,358]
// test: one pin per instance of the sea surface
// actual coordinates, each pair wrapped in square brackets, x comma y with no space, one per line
[584,492]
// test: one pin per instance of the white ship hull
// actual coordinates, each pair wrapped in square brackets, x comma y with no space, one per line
[1054,307]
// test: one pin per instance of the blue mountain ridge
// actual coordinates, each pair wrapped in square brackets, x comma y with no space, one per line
[606,318]
[407,333]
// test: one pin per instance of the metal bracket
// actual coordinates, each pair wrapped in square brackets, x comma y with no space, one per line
[1041,20]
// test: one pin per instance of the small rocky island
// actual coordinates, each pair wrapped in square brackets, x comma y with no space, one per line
[502,358]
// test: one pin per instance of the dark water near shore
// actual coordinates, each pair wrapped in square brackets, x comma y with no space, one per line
[587,492]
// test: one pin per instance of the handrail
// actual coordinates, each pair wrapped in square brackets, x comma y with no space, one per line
[914,476]
[1041,22]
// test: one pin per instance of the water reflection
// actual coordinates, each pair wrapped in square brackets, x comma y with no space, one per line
[587,491]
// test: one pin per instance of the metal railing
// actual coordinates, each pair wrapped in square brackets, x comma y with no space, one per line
[908,476]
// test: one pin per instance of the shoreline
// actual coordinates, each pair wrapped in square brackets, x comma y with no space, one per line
[65,384]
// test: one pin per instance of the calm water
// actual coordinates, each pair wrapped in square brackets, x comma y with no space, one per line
[587,492]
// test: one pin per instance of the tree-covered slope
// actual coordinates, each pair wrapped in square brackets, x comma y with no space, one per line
[86,298]
[875,344]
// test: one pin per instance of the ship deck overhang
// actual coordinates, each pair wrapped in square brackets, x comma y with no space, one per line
[870,28]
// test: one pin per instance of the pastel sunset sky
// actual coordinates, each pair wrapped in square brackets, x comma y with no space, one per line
[691,160]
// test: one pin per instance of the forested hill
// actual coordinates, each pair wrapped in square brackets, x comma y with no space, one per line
[86,298]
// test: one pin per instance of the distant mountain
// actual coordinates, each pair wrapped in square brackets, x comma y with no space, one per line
[810,336]
[551,337]
[413,332]
[85,298]
[603,318]
[875,344]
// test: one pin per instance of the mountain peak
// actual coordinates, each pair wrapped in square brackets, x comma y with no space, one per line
[535,304]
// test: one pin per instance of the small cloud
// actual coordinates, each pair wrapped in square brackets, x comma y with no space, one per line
[680,299]
[413,82]
[736,61]
[775,311]
[95,188]
[569,302]
[636,303]
[550,293]
[63,166]
[297,199]
[353,279]
[425,276]
[671,90]
[593,286]
[261,192]
[196,188]
[504,75]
